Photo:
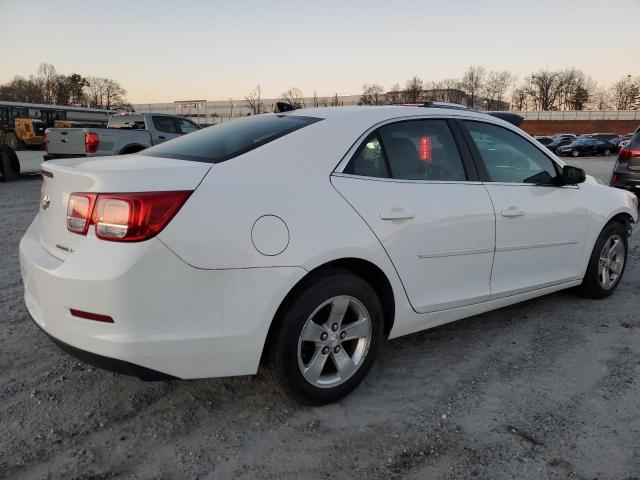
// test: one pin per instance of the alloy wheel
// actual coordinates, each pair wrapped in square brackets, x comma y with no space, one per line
[611,262]
[334,341]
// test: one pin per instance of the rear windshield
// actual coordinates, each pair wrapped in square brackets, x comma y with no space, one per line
[221,142]
[131,122]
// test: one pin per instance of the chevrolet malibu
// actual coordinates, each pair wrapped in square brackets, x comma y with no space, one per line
[299,241]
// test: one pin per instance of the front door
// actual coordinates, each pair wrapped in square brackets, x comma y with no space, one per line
[541,228]
[409,183]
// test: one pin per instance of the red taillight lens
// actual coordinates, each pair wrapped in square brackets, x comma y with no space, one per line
[124,217]
[424,145]
[79,212]
[628,153]
[91,142]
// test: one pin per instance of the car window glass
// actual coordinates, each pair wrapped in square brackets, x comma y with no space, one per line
[509,157]
[222,142]
[127,122]
[422,150]
[164,124]
[369,161]
[186,126]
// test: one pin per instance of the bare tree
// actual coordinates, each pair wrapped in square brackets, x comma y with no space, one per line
[545,88]
[372,94]
[495,88]
[294,97]
[394,96]
[413,90]
[625,93]
[472,83]
[254,101]
[315,99]
[231,105]
[48,78]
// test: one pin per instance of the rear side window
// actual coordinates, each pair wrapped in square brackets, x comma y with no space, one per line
[165,124]
[635,141]
[131,122]
[422,150]
[221,142]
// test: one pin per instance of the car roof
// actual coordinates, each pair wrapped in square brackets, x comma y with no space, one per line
[374,114]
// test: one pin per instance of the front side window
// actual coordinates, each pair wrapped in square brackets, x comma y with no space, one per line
[165,124]
[510,158]
[222,142]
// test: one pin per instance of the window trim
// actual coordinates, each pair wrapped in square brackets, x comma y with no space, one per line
[177,121]
[468,163]
[482,169]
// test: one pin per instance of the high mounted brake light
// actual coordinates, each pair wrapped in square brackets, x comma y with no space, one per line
[123,217]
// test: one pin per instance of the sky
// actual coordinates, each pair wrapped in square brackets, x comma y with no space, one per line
[162,51]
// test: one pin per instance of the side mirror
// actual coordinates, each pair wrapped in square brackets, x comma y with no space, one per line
[572,175]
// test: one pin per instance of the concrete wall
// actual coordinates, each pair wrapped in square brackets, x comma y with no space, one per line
[548,127]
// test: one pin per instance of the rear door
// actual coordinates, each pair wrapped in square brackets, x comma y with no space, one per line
[420,195]
[164,128]
[541,228]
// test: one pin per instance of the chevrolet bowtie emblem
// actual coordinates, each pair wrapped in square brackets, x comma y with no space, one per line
[45,201]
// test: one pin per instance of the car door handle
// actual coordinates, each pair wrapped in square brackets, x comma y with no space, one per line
[512,212]
[161,137]
[397,213]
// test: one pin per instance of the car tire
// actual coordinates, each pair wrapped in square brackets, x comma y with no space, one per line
[607,152]
[9,163]
[605,270]
[575,153]
[12,140]
[307,356]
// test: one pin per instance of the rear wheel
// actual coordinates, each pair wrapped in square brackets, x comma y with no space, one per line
[9,163]
[12,140]
[326,339]
[607,262]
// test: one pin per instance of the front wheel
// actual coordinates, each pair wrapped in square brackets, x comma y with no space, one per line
[575,153]
[12,140]
[326,339]
[607,152]
[607,262]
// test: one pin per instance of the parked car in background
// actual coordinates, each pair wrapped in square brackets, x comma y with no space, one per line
[569,136]
[125,134]
[626,173]
[260,241]
[621,138]
[544,140]
[587,146]
[558,142]
[600,136]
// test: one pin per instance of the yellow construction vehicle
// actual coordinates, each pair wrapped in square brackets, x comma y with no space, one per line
[18,130]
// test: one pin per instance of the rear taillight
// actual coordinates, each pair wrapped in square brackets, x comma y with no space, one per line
[91,142]
[123,217]
[629,153]
[79,211]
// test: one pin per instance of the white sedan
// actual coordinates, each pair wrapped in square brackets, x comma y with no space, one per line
[299,241]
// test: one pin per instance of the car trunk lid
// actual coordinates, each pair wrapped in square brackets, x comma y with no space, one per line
[130,173]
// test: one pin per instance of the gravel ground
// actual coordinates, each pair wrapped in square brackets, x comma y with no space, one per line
[544,389]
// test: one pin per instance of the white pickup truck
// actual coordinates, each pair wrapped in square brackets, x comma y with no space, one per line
[125,133]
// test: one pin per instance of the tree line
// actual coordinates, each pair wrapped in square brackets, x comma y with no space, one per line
[568,89]
[50,87]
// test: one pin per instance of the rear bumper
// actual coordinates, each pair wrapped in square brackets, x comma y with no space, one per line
[168,317]
[627,180]
[55,156]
